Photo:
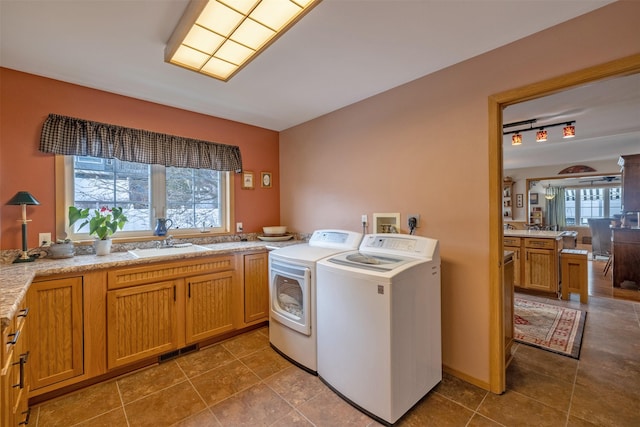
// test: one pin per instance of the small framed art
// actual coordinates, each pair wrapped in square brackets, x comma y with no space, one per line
[247,180]
[533,198]
[265,179]
[519,201]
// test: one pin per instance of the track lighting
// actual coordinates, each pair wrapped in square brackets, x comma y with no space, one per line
[569,130]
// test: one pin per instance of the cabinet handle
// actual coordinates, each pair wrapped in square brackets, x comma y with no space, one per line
[14,340]
[24,312]
[26,419]
[174,293]
[189,290]
[22,362]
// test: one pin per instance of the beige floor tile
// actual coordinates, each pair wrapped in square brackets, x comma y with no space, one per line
[206,359]
[515,409]
[549,390]
[434,409]
[115,418]
[544,362]
[265,362]
[328,410]
[201,419]
[150,380]
[295,385]
[292,419]
[255,406]
[224,381]
[80,406]
[479,421]
[248,343]
[165,407]
[460,391]
[604,406]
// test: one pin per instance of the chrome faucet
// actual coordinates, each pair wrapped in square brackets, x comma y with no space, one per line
[168,241]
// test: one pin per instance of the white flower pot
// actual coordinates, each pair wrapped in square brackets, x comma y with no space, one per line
[102,247]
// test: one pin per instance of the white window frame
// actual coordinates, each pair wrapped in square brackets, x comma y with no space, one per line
[64,171]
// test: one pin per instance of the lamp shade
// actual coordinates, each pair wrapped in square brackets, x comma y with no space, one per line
[23,198]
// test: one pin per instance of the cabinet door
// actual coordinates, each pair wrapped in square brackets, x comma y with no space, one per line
[210,305]
[256,287]
[55,330]
[141,322]
[540,270]
[517,263]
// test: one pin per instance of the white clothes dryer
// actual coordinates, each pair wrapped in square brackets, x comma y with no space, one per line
[379,326]
[292,294]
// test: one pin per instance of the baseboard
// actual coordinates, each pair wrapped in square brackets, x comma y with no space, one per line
[467,378]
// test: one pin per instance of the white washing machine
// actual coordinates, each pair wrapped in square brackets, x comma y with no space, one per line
[292,293]
[379,326]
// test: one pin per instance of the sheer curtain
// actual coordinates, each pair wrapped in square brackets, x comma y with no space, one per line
[556,208]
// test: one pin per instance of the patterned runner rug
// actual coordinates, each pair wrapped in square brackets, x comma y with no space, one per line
[549,327]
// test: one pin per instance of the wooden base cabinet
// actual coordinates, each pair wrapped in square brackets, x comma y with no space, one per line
[56,338]
[142,322]
[210,305]
[536,263]
[256,287]
[14,381]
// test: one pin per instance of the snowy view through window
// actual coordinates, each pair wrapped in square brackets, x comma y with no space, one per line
[189,197]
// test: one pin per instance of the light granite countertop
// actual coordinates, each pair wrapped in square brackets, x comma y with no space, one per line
[16,278]
[535,233]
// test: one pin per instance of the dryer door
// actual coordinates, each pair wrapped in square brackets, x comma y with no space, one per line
[289,287]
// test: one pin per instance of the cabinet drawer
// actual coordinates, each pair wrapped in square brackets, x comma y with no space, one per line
[511,241]
[133,276]
[540,243]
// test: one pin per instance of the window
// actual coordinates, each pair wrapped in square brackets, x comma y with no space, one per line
[591,202]
[194,199]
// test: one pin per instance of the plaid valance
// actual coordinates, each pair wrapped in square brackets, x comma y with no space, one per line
[71,136]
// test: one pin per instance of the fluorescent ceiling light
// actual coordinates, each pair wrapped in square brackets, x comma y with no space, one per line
[219,37]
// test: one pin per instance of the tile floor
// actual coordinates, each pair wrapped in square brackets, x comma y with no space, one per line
[243,382]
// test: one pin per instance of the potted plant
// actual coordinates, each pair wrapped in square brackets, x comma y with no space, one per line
[103,223]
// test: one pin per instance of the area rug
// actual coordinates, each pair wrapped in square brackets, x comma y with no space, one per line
[549,327]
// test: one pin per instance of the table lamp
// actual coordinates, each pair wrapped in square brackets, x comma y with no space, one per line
[23,198]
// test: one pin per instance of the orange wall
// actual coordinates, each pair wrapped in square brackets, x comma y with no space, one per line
[26,100]
[423,148]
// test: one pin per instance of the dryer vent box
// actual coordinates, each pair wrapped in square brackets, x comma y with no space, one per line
[386,222]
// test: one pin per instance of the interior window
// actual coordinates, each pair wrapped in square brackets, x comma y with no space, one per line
[591,202]
[194,199]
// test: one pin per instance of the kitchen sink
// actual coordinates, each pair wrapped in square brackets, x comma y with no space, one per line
[168,250]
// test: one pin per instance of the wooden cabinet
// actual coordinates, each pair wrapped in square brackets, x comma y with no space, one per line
[508,306]
[161,307]
[14,381]
[514,244]
[256,287]
[626,259]
[508,198]
[55,338]
[630,183]
[536,263]
[141,322]
[210,305]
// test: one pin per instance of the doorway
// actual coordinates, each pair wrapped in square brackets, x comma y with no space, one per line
[497,103]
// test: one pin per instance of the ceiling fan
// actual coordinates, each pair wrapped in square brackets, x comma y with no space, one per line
[603,179]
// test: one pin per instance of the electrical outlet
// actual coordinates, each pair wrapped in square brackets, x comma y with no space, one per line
[364,219]
[415,217]
[44,239]
[238,227]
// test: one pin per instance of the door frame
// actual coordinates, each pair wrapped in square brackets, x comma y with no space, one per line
[497,102]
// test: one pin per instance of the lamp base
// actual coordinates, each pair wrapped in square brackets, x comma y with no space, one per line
[24,258]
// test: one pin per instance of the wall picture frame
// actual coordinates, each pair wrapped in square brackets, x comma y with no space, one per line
[533,198]
[519,200]
[247,180]
[266,180]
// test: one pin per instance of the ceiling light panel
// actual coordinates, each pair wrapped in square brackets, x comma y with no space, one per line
[219,37]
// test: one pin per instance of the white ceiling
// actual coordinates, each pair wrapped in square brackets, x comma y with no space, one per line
[343,51]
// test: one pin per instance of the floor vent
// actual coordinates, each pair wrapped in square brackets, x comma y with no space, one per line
[586,240]
[176,353]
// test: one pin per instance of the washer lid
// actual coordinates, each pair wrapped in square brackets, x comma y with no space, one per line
[368,261]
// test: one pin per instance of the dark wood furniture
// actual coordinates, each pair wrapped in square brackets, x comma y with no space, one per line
[626,262]
[630,182]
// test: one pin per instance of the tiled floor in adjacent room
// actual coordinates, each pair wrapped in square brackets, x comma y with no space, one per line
[243,382]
